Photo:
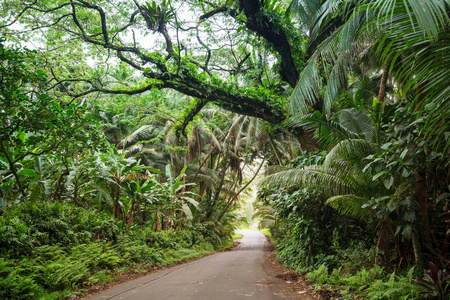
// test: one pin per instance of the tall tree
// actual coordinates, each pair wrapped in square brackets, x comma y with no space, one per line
[183,56]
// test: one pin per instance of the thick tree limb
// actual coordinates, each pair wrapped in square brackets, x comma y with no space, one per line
[228,100]
[259,21]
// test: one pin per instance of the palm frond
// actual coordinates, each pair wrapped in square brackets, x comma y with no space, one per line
[133,150]
[416,35]
[102,192]
[350,150]
[211,182]
[143,133]
[211,137]
[326,130]
[351,205]
[356,121]
[274,169]
[306,92]
[428,17]
[306,10]
[332,181]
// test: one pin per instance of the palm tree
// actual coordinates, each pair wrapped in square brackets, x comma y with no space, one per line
[344,177]
[409,42]
[409,39]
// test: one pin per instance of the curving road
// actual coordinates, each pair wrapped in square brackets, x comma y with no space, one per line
[237,274]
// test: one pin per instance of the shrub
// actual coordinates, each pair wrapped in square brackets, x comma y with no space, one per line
[315,233]
[63,273]
[48,249]
[30,225]
[14,238]
[14,285]
[319,275]
[372,283]
[395,287]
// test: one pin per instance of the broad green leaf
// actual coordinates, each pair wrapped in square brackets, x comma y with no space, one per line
[28,172]
[378,175]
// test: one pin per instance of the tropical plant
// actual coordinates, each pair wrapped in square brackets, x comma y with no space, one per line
[33,122]
[436,283]
[409,42]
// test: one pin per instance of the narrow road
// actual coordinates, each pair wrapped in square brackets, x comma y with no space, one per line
[237,274]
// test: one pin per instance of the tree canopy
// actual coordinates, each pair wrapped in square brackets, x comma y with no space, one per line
[237,54]
[158,109]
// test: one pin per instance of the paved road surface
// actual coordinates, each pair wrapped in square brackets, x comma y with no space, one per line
[237,274]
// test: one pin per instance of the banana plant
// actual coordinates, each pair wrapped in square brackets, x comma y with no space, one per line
[110,178]
[143,193]
[177,195]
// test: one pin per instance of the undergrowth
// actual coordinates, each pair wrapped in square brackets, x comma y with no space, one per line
[373,283]
[48,251]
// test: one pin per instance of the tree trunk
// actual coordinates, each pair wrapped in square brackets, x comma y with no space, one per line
[380,98]
[56,195]
[275,150]
[180,217]
[418,257]
[202,191]
[423,225]
[13,170]
[263,24]
[383,245]
[219,188]
[384,78]
[237,194]
[169,220]
[116,206]
[144,215]
[158,221]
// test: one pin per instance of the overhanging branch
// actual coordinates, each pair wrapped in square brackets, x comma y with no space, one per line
[260,22]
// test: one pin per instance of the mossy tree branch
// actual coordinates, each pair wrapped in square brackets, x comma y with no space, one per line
[173,71]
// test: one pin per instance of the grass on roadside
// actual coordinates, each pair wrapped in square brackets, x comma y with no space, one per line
[266,232]
[236,236]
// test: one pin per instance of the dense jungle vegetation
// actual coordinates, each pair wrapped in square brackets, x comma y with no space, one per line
[132,134]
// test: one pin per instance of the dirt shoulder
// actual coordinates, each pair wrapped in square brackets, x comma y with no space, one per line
[286,284]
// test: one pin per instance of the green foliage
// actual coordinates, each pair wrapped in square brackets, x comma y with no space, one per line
[174,239]
[61,273]
[309,158]
[379,162]
[356,256]
[157,13]
[315,233]
[15,285]
[236,236]
[33,123]
[320,275]
[372,283]
[436,283]
[394,287]
[30,225]
[53,248]
[360,280]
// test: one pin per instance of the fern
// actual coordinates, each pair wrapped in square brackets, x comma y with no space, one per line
[320,275]
[15,285]
[396,287]
[63,273]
